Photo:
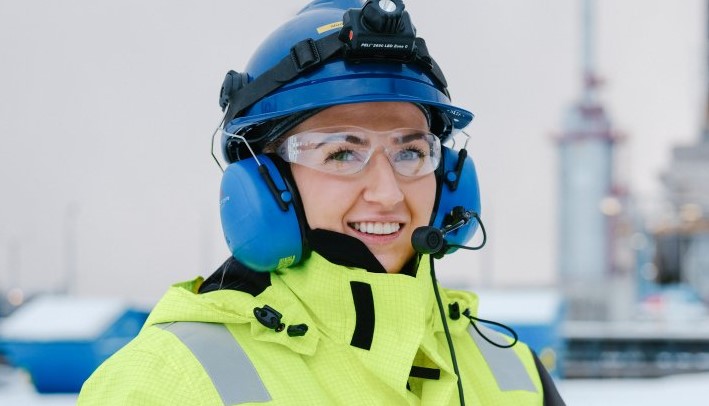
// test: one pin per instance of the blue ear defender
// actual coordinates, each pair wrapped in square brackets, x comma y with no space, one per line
[259,215]
[459,187]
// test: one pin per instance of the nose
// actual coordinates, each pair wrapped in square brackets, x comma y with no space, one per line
[382,185]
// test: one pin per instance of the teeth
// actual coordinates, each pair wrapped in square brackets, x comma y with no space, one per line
[376,228]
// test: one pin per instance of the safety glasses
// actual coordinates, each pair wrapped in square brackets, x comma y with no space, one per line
[347,150]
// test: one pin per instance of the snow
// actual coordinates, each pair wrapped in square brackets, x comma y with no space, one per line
[52,317]
[678,389]
[16,389]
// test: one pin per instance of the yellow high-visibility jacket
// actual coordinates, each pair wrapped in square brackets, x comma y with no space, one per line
[325,335]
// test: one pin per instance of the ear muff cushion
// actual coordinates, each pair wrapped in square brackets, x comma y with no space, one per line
[259,234]
[466,194]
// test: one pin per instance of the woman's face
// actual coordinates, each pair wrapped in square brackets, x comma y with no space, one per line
[377,205]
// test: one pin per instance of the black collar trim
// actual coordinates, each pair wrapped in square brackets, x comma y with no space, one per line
[337,248]
[236,276]
[343,250]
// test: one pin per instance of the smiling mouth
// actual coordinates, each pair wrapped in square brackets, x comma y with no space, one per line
[376,228]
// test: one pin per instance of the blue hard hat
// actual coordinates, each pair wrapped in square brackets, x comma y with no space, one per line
[340,79]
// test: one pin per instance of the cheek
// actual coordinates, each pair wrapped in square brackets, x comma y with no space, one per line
[323,198]
[422,197]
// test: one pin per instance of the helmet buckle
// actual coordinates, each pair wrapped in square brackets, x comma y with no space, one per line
[305,54]
[233,81]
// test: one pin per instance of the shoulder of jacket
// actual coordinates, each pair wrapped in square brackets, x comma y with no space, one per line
[154,368]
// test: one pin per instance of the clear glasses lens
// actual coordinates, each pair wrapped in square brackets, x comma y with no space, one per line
[346,151]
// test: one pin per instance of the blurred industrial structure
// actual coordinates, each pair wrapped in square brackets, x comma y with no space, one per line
[588,197]
[636,285]
[682,254]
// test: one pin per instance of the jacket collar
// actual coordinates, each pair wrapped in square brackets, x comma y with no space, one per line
[319,294]
[405,316]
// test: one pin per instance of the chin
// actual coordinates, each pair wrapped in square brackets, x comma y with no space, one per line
[390,266]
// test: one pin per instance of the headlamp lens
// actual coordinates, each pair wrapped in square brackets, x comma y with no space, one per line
[347,150]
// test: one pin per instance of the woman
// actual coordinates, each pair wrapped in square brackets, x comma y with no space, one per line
[326,299]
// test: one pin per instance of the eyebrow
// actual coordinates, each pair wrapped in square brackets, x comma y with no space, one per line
[343,136]
[411,137]
[349,138]
[356,140]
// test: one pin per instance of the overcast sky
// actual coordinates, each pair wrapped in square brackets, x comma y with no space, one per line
[106,112]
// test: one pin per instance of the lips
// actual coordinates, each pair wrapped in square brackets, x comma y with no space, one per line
[376,228]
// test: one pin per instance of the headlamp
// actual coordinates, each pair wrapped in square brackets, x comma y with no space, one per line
[380,29]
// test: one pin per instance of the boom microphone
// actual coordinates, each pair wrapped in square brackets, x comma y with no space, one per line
[428,240]
[431,240]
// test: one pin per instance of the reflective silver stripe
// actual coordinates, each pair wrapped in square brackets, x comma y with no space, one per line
[508,369]
[231,371]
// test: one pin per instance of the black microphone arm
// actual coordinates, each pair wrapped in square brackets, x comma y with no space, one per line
[431,240]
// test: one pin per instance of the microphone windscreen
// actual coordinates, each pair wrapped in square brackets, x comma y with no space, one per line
[427,240]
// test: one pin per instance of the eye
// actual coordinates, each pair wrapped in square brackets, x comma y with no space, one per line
[342,154]
[410,153]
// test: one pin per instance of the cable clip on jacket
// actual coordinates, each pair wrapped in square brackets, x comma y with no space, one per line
[297,330]
[454,310]
[269,317]
[473,319]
